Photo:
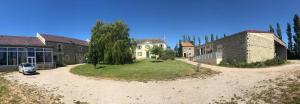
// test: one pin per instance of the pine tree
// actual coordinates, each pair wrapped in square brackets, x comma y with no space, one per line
[224,35]
[199,40]
[279,34]
[297,33]
[194,39]
[271,29]
[206,39]
[189,38]
[290,36]
[212,38]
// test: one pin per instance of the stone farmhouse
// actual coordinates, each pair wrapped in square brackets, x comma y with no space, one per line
[248,46]
[187,49]
[143,47]
[43,51]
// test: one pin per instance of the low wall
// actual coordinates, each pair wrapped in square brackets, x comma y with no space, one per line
[210,58]
[8,68]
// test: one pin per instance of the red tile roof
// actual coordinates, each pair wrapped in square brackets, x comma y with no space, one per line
[141,41]
[257,31]
[62,39]
[186,44]
[20,41]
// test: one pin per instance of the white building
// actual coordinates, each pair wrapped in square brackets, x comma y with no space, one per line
[144,46]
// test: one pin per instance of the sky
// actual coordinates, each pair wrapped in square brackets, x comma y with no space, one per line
[146,18]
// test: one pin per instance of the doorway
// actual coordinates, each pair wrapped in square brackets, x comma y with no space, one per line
[147,54]
[31,60]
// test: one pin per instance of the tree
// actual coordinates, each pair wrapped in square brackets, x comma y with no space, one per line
[290,36]
[194,40]
[199,40]
[206,39]
[156,50]
[212,38]
[110,43]
[189,38]
[271,29]
[224,35]
[167,54]
[217,37]
[278,29]
[297,34]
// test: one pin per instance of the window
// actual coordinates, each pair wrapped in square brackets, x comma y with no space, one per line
[12,58]
[30,52]
[39,57]
[139,53]
[59,47]
[189,48]
[190,53]
[80,49]
[139,47]
[22,57]
[161,45]
[3,57]
[48,57]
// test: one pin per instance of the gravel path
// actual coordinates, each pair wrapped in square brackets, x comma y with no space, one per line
[187,91]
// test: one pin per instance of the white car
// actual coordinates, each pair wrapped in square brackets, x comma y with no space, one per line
[27,68]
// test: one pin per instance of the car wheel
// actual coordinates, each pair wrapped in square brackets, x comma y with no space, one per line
[23,72]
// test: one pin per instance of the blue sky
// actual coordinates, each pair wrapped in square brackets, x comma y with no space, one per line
[146,18]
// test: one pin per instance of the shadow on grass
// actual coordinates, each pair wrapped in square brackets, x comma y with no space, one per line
[155,61]
[99,67]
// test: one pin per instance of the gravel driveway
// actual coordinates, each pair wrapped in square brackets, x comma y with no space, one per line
[232,81]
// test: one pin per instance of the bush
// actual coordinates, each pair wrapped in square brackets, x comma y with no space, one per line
[243,64]
[167,55]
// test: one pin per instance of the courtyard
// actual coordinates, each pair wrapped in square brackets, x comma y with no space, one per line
[231,82]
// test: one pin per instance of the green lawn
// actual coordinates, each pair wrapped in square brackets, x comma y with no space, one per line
[144,70]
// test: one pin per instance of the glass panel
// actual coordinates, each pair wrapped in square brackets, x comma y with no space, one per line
[48,57]
[30,52]
[12,49]
[12,58]
[39,57]
[3,49]
[22,56]
[21,49]
[48,49]
[39,49]
[3,58]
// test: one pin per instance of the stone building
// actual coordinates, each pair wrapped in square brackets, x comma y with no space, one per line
[43,51]
[143,47]
[248,46]
[187,49]
[66,50]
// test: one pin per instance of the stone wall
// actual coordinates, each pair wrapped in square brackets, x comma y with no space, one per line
[260,47]
[189,51]
[232,47]
[70,54]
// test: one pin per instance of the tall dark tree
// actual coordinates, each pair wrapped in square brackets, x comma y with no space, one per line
[199,40]
[206,39]
[194,39]
[271,29]
[189,38]
[278,30]
[212,38]
[297,33]
[224,35]
[217,37]
[290,36]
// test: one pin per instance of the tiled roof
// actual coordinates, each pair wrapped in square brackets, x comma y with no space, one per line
[20,41]
[62,39]
[187,44]
[141,41]
[257,31]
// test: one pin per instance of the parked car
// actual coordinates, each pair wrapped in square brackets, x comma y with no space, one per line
[27,68]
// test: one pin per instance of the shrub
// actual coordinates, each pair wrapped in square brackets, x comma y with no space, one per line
[243,64]
[167,55]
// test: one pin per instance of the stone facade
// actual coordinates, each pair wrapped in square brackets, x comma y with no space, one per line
[188,52]
[66,54]
[248,46]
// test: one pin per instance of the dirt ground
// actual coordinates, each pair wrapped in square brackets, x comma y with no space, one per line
[229,83]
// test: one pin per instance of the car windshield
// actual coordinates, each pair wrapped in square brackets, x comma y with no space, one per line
[27,65]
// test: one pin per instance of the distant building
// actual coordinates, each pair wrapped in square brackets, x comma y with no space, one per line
[248,46]
[143,47]
[187,49]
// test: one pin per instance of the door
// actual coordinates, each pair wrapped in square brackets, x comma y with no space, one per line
[31,60]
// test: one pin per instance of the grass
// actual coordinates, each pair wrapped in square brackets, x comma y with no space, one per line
[2,89]
[243,64]
[144,70]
